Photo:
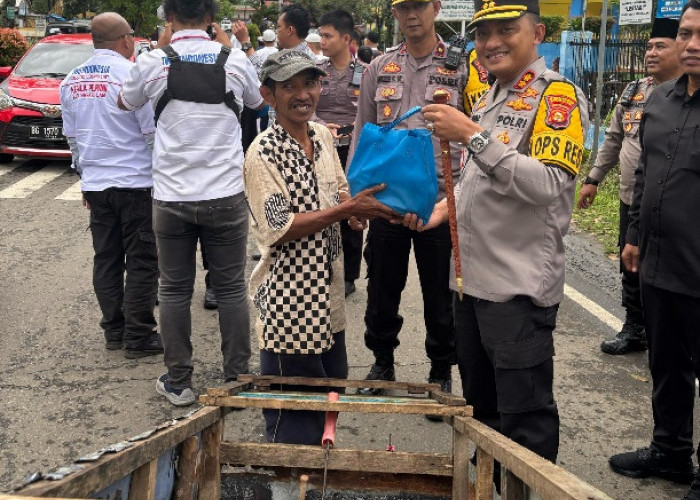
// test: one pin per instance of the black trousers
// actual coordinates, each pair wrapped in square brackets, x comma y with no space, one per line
[301,426]
[672,322]
[631,294]
[123,240]
[387,252]
[351,239]
[504,353]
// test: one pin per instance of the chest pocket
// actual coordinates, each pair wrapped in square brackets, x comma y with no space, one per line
[388,99]
[353,92]
[440,84]
[631,117]
[325,86]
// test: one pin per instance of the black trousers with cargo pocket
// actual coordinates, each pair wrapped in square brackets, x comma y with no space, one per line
[505,357]
[123,240]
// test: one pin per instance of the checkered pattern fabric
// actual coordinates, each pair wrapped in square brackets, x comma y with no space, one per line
[294,302]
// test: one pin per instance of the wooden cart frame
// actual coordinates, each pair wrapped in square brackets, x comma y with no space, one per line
[198,442]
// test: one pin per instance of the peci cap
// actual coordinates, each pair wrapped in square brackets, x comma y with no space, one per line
[394,2]
[269,36]
[501,10]
[313,38]
[286,63]
[664,27]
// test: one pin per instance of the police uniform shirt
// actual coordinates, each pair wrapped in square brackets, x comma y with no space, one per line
[395,82]
[664,214]
[197,153]
[111,143]
[515,197]
[338,100]
[622,139]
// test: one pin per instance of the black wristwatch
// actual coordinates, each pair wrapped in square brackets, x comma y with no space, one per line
[246,46]
[589,180]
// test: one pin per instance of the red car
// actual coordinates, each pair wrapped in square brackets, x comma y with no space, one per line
[30,109]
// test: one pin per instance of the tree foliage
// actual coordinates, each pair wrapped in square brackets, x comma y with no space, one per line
[12,46]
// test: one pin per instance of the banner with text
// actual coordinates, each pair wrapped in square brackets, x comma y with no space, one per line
[669,8]
[635,11]
[456,10]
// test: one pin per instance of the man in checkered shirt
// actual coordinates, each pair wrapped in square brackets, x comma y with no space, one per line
[298,195]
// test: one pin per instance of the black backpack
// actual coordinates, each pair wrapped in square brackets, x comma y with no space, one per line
[197,82]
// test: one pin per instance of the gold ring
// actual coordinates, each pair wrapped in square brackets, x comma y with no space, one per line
[430,127]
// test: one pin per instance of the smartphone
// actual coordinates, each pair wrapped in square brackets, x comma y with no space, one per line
[347,129]
[211,32]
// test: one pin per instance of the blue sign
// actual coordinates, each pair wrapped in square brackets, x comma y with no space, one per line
[670,8]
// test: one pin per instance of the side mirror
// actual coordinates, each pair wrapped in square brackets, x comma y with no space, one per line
[5,72]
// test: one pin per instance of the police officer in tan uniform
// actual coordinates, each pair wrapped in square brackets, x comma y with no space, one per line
[337,107]
[524,145]
[404,77]
[622,143]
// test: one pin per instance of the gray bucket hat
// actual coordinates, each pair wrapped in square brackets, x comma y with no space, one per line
[286,63]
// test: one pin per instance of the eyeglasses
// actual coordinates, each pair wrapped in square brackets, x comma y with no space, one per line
[130,33]
[405,7]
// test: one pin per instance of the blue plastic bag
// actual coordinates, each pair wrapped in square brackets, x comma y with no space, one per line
[403,160]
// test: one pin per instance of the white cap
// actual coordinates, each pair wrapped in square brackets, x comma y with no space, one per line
[313,38]
[269,36]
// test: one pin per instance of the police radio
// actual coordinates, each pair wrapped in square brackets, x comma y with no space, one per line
[628,94]
[357,74]
[455,52]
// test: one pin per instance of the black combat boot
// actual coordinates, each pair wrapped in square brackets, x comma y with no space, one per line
[632,338]
[382,369]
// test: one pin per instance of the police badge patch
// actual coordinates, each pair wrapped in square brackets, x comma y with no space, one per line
[559,108]
[391,67]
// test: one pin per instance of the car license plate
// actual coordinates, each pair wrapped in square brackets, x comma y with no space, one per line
[51,133]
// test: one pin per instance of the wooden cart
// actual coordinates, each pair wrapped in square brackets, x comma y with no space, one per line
[183,459]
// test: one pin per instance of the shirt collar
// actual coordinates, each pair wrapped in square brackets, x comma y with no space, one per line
[527,76]
[190,34]
[288,142]
[108,52]
[440,50]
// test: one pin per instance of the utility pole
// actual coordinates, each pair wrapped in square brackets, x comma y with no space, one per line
[599,80]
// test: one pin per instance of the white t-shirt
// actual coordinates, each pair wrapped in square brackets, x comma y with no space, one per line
[111,144]
[197,153]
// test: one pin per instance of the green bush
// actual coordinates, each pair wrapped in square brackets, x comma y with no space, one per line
[554,26]
[592,24]
[12,46]
[254,32]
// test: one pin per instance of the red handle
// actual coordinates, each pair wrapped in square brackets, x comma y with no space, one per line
[328,438]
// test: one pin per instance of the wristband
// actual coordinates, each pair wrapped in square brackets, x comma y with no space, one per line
[589,180]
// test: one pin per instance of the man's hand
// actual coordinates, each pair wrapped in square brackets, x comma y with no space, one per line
[630,258]
[412,221]
[587,195]
[86,203]
[333,127]
[365,206]
[166,37]
[221,36]
[240,31]
[450,123]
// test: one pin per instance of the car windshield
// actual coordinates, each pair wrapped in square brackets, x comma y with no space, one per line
[53,60]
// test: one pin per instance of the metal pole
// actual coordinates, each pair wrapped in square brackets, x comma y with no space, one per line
[599,80]
[464,27]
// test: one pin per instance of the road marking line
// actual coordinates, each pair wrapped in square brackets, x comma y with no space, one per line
[73,193]
[603,315]
[31,183]
[6,169]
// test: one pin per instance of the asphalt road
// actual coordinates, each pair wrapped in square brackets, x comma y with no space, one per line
[64,395]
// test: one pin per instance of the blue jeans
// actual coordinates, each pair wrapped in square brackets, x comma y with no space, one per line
[222,226]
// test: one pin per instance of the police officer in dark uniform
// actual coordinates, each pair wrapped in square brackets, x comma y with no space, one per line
[663,244]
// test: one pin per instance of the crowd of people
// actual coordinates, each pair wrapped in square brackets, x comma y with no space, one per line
[201,139]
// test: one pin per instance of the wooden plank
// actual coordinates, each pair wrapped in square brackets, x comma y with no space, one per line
[186,487]
[312,457]
[484,475]
[547,479]
[512,487]
[21,497]
[210,477]
[112,467]
[460,469]
[229,389]
[410,387]
[416,407]
[143,481]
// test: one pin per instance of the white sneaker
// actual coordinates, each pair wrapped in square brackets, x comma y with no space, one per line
[178,397]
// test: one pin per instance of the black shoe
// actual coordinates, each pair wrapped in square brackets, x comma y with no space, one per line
[151,346]
[377,372]
[647,462]
[694,493]
[445,386]
[632,338]
[349,287]
[210,299]
[114,340]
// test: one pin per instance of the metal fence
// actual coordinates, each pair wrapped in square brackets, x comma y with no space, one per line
[624,62]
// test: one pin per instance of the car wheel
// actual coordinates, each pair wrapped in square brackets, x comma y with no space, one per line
[5,158]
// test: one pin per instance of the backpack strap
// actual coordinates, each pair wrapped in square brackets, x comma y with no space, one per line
[167,95]
[229,97]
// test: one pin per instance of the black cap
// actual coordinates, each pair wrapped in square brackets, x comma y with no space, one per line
[664,27]
[501,10]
